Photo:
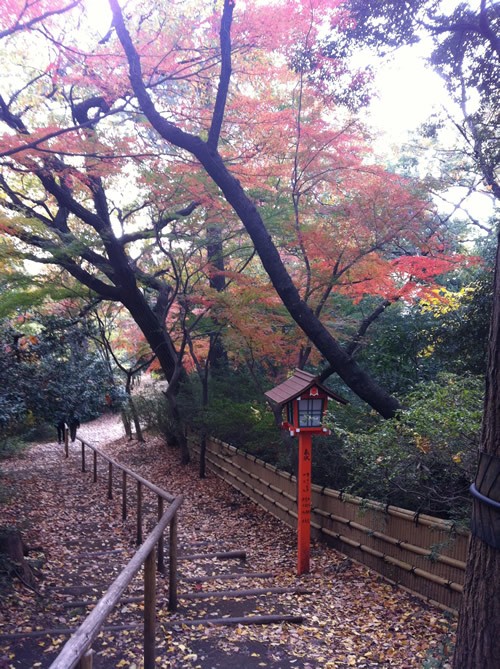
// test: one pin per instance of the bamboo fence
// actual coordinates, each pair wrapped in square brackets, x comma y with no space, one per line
[420,553]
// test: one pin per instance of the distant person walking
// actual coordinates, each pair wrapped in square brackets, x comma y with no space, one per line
[61,426]
[73,424]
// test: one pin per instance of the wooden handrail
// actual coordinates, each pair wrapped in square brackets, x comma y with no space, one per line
[129,472]
[77,652]
[82,639]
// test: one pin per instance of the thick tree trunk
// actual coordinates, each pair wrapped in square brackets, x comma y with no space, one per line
[206,152]
[12,546]
[478,637]
[162,346]
[341,362]
[153,329]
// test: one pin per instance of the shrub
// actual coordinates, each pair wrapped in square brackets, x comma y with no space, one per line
[11,446]
[425,458]
[153,410]
[246,425]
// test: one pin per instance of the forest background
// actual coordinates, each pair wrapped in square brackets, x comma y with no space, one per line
[200,195]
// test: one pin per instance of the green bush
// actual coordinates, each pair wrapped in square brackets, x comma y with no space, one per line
[154,412]
[425,458]
[11,446]
[245,425]
[48,369]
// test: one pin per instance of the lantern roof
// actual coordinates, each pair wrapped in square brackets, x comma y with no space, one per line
[297,384]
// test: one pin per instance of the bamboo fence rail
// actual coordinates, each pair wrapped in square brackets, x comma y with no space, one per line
[420,553]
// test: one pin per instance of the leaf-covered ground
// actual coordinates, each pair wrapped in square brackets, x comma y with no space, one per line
[351,616]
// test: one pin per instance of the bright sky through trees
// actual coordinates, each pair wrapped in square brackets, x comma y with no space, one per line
[407,93]
[404,101]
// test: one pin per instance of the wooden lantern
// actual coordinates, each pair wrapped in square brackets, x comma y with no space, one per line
[303,400]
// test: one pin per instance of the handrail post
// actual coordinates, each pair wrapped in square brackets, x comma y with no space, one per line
[86,661]
[160,562]
[149,610]
[139,513]
[150,556]
[110,480]
[172,580]
[124,495]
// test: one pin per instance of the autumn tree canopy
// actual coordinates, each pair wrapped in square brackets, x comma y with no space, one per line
[146,160]
[202,165]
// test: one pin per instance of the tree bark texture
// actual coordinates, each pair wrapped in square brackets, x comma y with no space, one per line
[478,635]
[12,546]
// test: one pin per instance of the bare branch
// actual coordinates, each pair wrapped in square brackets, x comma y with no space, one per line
[19,25]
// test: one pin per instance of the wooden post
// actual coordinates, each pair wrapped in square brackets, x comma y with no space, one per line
[83,456]
[95,466]
[304,503]
[139,513]
[149,610]
[124,496]
[86,661]
[110,480]
[66,440]
[160,563]
[172,579]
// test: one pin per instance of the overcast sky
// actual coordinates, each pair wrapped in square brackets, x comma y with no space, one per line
[409,91]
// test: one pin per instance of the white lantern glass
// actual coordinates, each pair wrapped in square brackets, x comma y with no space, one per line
[310,412]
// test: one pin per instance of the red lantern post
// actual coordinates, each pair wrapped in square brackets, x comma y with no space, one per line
[304,503]
[304,399]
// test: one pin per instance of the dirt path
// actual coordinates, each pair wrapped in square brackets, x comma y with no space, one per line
[352,617]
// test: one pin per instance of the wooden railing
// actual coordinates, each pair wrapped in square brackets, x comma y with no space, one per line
[77,652]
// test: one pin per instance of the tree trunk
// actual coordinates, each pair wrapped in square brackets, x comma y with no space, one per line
[203,432]
[177,437]
[12,546]
[137,422]
[162,346]
[206,152]
[153,329]
[341,362]
[126,424]
[478,637]
[217,281]
[203,453]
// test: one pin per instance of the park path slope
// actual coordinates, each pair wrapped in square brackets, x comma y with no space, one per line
[350,616]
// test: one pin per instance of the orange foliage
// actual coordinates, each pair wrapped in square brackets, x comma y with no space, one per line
[341,223]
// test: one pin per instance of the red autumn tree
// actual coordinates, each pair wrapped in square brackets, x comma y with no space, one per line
[121,145]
